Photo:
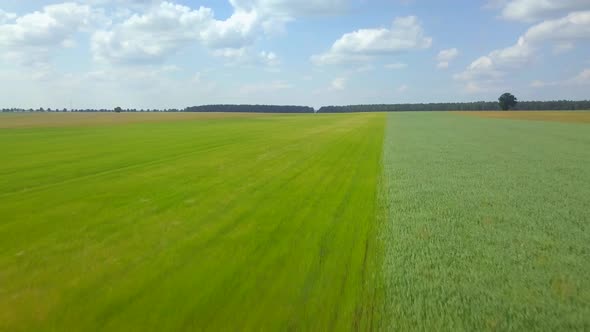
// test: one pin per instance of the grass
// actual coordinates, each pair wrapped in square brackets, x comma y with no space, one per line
[259,222]
[83,119]
[488,223]
[402,221]
[556,116]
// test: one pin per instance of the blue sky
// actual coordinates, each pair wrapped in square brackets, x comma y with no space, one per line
[173,54]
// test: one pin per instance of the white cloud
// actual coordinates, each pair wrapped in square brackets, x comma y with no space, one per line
[402,88]
[151,37]
[6,17]
[247,57]
[559,32]
[487,70]
[338,84]
[269,58]
[149,31]
[482,68]
[237,31]
[167,28]
[583,78]
[535,10]
[513,56]
[331,58]
[274,14]
[444,57]
[575,26]
[396,66]
[125,3]
[231,53]
[31,38]
[405,34]
[290,9]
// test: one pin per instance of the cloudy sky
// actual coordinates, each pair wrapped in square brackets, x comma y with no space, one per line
[176,53]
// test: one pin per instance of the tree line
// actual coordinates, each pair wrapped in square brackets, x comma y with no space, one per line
[250,109]
[557,105]
[89,110]
[203,109]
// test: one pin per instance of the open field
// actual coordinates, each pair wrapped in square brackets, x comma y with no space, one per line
[44,120]
[488,225]
[207,224]
[557,116]
[420,221]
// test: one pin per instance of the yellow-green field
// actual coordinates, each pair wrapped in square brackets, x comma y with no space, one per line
[403,221]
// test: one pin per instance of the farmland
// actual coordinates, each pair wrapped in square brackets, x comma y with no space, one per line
[374,221]
[212,224]
[488,222]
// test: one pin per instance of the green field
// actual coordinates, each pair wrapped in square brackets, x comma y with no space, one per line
[489,223]
[404,221]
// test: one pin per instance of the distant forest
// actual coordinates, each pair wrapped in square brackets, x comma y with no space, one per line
[558,105]
[202,109]
[250,109]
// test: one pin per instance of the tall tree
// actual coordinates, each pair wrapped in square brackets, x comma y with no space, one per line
[118,109]
[507,101]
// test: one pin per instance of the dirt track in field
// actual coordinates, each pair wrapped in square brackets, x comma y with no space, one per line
[35,120]
[555,116]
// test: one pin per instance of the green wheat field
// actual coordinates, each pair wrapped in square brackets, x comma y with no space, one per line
[322,222]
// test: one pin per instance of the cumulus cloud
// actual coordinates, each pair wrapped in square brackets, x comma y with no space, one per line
[583,78]
[125,3]
[30,39]
[6,17]
[564,31]
[237,31]
[274,14]
[405,34]
[151,37]
[292,8]
[444,57]
[167,28]
[535,10]
[495,63]
[149,31]
[269,58]
[247,57]
[487,70]
[575,26]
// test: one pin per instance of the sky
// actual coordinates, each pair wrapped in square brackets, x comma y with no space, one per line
[179,53]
